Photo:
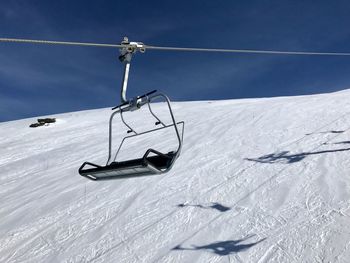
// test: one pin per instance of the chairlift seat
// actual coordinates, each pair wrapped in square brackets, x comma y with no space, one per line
[147,165]
[152,162]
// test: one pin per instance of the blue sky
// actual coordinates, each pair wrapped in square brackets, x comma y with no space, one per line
[43,80]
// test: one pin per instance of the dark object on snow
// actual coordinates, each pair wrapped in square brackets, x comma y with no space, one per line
[47,120]
[37,124]
[42,122]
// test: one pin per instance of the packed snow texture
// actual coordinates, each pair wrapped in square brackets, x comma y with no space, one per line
[258,180]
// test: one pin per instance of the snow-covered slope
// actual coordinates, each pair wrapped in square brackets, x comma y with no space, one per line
[258,180]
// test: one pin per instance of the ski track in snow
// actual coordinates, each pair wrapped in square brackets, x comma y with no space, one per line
[258,180]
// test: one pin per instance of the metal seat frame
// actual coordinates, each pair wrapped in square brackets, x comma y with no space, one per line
[147,168]
[143,166]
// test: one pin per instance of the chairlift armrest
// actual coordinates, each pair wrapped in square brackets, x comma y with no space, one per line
[123,104]
[139,97]
[156,152]
[147,94]
[88,163]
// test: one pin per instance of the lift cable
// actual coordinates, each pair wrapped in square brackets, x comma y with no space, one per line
[143,47]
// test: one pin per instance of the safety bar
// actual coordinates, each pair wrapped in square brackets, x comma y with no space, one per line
[138,97]
[149,97]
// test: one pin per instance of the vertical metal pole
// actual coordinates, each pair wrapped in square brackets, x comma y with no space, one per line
[110,135]
[125,82]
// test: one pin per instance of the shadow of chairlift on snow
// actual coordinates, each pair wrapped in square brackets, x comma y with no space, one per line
[285,157]
[343,142]
[324,132]
[223,248]
[216,206]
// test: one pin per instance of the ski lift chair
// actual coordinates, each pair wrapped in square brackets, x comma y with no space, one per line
[153,162]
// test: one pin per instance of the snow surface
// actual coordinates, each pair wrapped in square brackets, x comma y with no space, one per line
[258,180]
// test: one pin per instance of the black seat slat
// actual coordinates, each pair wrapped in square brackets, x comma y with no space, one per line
[129,168]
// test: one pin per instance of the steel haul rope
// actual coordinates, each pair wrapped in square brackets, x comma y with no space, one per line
[188,49]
